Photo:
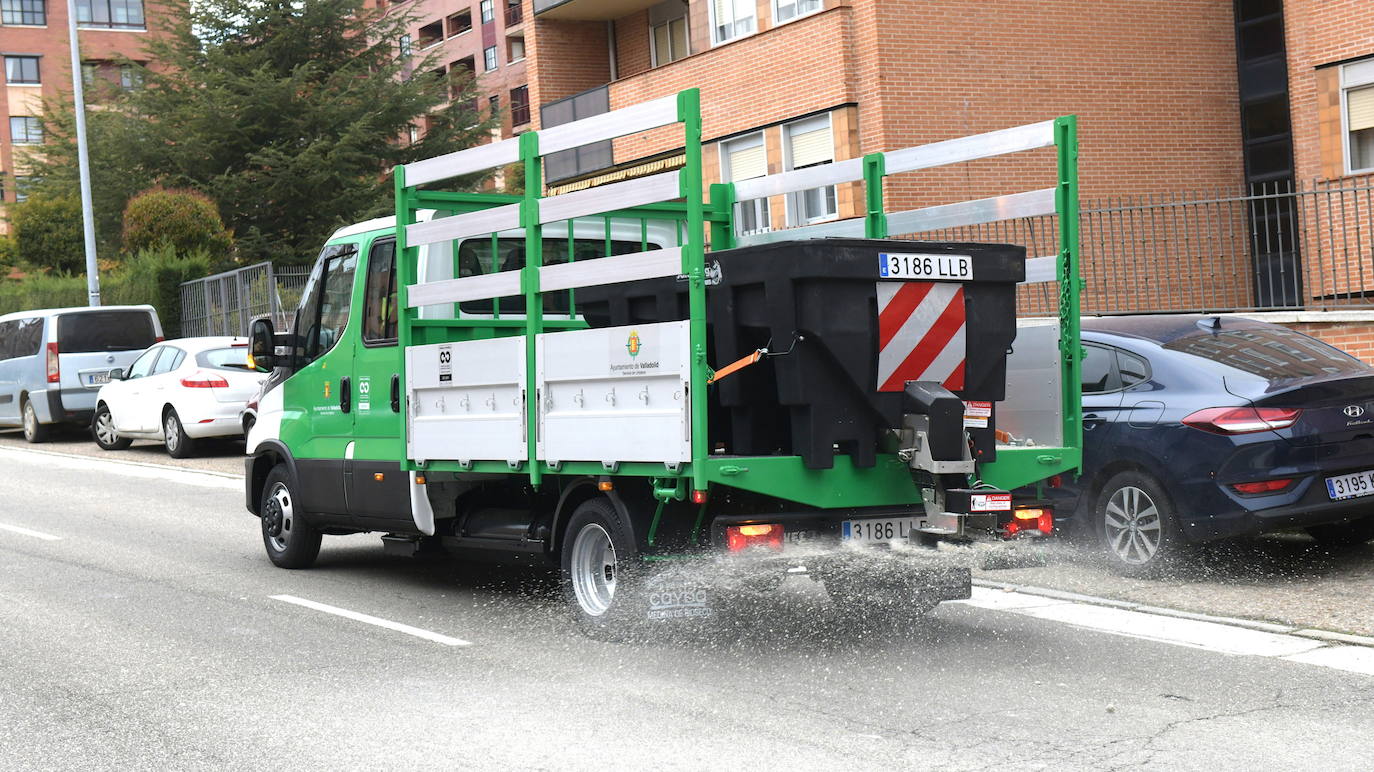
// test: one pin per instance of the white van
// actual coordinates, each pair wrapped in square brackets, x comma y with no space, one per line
[54,361]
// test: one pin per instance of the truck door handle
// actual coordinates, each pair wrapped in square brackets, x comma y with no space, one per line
[395,392]
[346,394]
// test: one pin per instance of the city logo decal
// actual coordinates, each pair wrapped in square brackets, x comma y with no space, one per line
[633,344]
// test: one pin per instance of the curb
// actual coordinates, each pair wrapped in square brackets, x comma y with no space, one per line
[1249,624]
[124,462]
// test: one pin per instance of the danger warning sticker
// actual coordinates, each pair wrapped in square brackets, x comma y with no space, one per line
[977,414]
[990,502]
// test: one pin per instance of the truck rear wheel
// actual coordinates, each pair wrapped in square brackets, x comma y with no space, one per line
[599,576]
[290,541]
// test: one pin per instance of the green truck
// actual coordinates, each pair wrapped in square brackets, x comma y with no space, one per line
[579,380]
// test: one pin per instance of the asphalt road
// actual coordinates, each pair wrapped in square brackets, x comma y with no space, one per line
[140,628]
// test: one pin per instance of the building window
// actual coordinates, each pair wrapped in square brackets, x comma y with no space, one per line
[130,77]
[731,19]
[489,58]
[26,130]
[431,34]
[519,105]
[488,11]
[516,50]
[21,70]
[742,159]
[403,46]
[668,41]
[88,73]
[22,185]
[514,14]
[809,143]
[110,13]
[1357,104]
[787,10]
[460,22]
[30,12]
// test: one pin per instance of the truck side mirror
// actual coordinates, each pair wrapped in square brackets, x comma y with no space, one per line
[262,351]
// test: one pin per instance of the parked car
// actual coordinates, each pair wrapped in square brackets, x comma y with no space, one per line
[53,361]
[177,392]
[1199,428]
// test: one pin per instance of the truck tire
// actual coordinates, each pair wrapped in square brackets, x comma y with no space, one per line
[289,539]
[33,430]
[1137,525]
[1351,533]
[599,576]
[103,431]
[179,445]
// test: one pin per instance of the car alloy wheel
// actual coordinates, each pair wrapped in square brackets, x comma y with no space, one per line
[1132,525]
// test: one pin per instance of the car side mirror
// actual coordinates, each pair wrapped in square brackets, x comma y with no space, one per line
[262,350]
[117,374]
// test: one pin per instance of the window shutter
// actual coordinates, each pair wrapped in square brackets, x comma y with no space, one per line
[1359,107]
[812,147]
[663,52]
[748,162]
[724,10]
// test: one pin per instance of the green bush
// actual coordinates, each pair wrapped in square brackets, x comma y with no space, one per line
[154,276]
[47,232]
[42,291]
[183,219]
[9,255]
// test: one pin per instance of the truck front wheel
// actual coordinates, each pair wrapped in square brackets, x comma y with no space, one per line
[290,541]
[599,576]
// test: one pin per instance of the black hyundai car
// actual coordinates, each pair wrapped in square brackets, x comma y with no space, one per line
[1199,428]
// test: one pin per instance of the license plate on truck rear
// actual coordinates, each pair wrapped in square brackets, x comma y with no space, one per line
[877,530]
[1351,486]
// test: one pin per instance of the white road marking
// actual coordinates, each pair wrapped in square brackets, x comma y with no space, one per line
[1194,633]
[371,620]
[27,532]
[50,460]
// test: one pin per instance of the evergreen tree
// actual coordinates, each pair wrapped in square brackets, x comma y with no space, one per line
[289,114]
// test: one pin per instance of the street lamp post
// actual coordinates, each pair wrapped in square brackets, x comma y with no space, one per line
[83,161]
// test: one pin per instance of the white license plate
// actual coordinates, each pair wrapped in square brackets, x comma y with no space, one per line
[892,265]
[877,530]
[1351,486]
[97,379]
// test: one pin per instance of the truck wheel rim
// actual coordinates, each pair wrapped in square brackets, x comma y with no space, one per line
[104,428]
[170,433]
[279,516]
[1132,525]
[593,569]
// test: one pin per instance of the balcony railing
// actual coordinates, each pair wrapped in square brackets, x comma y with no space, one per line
[514,14]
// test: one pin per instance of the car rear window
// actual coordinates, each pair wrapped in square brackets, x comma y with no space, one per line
[224,358]
[105,331]
[1272,353]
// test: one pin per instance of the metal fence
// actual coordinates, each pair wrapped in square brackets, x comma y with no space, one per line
[226,303]
[1276,246]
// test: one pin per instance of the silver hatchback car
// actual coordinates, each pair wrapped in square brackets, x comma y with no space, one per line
[54,361]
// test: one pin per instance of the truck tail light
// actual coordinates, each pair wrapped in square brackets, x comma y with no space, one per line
[742,537]
[1242,420]
[1028,519]
[204,381]
[54,367]
[1263,486]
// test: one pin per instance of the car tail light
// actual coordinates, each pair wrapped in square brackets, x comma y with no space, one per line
[54,367]
[204,381]
[1242,420]
[1028,519]
[1263,486]
[742,537]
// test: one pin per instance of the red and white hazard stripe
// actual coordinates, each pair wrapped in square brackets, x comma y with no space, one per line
[921,334]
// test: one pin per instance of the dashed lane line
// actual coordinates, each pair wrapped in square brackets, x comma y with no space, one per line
[29,532]
[427,635]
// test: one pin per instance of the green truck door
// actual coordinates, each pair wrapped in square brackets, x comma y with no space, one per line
[377,487]
[315,425]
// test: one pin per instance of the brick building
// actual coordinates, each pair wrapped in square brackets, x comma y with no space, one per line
[1227,146]
[35,46]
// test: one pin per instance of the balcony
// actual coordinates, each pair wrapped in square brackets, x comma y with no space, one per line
[589,10]
[514,14]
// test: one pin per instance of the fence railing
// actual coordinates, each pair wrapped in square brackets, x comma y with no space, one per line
[1277,246]
[226,303]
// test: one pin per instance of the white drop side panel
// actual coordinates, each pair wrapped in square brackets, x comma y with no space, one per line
[1033,411]
[467,400]
[615,394]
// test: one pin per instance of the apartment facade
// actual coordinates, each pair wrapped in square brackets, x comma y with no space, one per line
[35,47]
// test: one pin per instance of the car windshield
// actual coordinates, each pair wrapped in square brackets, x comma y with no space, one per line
[1276,354]
[105,331]
[234,358]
